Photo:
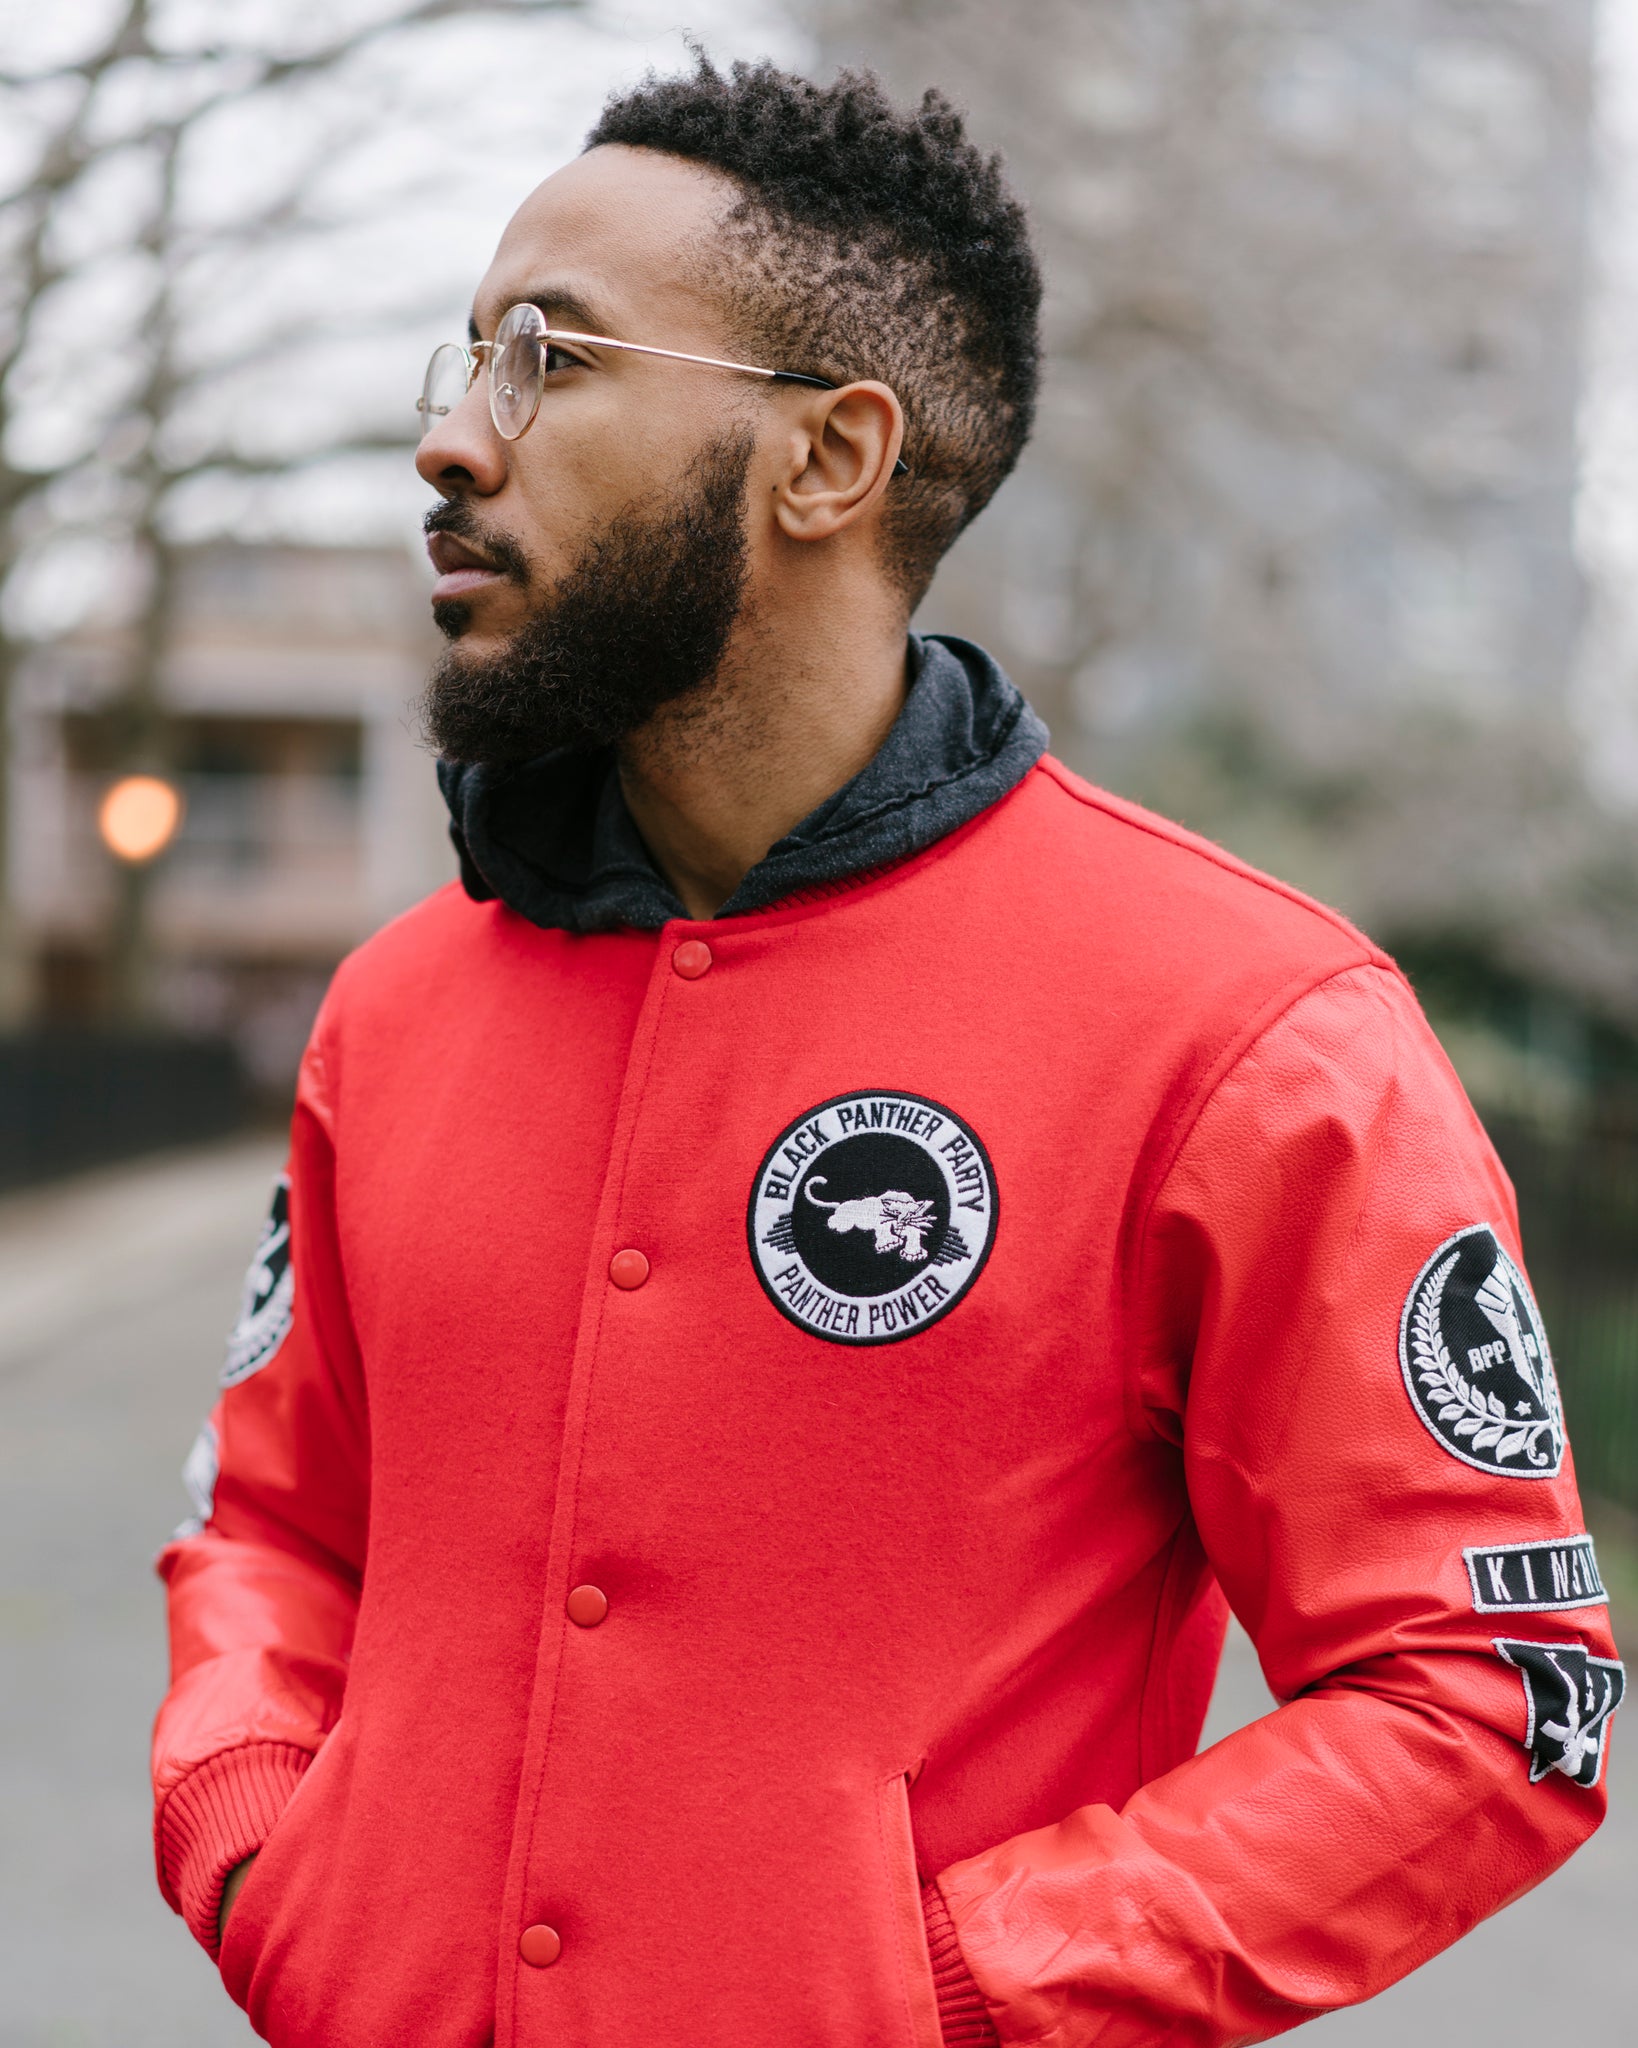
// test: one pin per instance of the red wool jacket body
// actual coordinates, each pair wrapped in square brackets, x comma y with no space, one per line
[887,1733]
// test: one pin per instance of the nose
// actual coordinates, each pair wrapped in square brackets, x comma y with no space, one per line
[462,452]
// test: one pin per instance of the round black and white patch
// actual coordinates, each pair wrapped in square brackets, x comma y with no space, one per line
[267,1306]
[872,1215]
[1475,1359]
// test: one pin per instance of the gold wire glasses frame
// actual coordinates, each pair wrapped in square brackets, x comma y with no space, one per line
[518,358]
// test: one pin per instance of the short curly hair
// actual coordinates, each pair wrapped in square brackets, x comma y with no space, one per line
[870,242]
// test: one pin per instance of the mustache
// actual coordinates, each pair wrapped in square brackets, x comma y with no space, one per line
[456,516]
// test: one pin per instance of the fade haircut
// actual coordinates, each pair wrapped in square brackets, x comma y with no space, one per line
[869,242]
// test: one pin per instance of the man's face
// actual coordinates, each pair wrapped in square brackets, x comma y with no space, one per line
[593,568]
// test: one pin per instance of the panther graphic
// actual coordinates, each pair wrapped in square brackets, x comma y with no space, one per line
[898,1219]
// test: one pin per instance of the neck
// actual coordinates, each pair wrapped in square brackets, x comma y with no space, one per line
[787,720]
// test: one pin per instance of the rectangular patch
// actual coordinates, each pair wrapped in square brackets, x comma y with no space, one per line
[1534,1578]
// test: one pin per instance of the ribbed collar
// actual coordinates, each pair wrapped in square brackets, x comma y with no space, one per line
[554,841]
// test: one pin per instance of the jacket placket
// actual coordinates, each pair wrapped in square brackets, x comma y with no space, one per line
[522,1992]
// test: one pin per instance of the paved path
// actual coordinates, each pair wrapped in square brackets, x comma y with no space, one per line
[114,1293]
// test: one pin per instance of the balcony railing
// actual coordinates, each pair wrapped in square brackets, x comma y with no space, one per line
[261,861]
[236,827]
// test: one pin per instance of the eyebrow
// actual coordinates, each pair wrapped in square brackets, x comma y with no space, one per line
[562,308]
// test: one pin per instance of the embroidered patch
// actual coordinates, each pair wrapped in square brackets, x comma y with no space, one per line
[1569,1697]
[267,1306]
[1476,1363]
[871,1216]
[1534,1577]
[199,1474]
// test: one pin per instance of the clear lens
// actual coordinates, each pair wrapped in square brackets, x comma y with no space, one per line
[516,364]
[448,380]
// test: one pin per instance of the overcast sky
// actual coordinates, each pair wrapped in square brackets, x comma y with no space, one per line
[482,111]
[423,149]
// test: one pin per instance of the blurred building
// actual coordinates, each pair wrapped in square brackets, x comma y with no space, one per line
[1316,276]
[311,814]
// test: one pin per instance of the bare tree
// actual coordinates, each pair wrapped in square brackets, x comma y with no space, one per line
[108,417]
[1315,279]
[1292,555]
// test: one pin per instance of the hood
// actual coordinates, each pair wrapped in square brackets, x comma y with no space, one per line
[554,841]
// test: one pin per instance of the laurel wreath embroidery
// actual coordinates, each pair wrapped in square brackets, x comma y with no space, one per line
[1479,1418]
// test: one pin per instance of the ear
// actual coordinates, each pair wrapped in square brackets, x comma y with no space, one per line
[842,458]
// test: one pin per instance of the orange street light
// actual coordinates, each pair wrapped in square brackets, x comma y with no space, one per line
[138,817]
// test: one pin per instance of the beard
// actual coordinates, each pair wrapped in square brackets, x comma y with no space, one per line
[640,620]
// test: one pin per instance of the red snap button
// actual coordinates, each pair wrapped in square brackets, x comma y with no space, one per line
[540,1945]
[628,1269]
[691,959]
[587,1605]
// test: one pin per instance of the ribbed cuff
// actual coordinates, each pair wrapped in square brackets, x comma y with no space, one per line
[962,2012]
[220,1814]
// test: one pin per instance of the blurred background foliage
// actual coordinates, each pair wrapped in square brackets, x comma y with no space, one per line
[1327,544]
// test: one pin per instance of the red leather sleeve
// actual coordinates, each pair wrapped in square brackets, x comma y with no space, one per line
[262,1597]
[1388,1805]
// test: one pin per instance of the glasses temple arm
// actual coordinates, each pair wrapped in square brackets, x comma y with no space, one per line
[900,468]
[677,355]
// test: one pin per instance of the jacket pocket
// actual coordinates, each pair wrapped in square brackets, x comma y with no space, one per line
[256,1907]
[244,1925]
[904,1901]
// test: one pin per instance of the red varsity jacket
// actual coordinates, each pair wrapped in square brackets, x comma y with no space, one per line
[741,1437]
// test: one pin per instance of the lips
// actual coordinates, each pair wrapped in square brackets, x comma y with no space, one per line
[461,567]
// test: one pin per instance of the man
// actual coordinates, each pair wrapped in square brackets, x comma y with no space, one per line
[798,1284]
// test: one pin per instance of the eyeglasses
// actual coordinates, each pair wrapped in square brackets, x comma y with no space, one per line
[520,362]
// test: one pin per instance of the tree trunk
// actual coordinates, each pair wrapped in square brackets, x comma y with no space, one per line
[143,748]
[16,966]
